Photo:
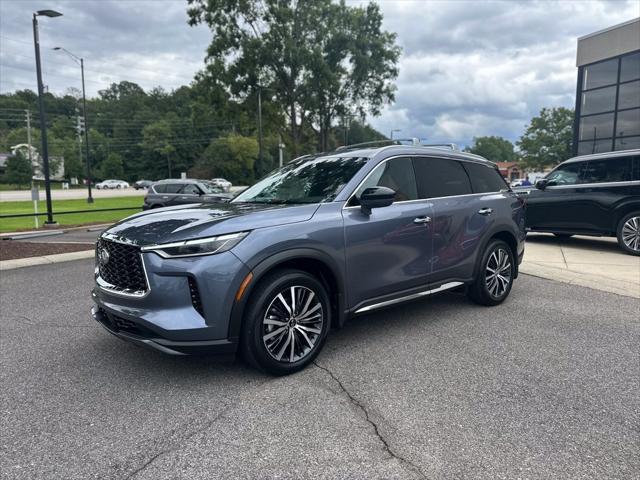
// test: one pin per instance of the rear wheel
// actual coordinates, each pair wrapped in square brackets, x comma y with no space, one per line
[286,322]
[494,279]
[629,233]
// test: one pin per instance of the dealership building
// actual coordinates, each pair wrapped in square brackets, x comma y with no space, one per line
[608,93]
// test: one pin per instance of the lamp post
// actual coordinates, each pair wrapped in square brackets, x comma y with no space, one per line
[392,131]
[80,61]
[43,119]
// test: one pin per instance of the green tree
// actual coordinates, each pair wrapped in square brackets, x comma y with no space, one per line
[157,138]
[496,149]
[112,167]
[18,170]
[548,138]
[232,157]
[319,59]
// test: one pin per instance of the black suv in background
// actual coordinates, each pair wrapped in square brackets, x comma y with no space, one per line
[167,193]
[589,195]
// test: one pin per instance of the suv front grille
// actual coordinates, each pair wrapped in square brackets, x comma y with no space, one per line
[121,268]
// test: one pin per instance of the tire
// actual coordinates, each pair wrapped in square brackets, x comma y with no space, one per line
[563,235]
[628,233]
[487,289]
[118,186]
[266,314]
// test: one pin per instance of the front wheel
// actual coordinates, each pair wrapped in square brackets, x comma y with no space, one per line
[286,322]
[495,275]
[629,233]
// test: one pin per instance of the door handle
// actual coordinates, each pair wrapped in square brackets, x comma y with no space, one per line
[422,220]
[485,211]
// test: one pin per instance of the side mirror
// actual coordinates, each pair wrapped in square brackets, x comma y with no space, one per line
[376,197]
[542,184]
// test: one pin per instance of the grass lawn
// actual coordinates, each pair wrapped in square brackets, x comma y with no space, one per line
[23,223]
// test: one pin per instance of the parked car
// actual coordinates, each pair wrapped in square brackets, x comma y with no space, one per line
[595,195]
[140,184]
[181,192]
[222,183]
[112,184]
[323,238]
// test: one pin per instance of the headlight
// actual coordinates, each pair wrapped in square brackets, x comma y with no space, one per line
[200,246]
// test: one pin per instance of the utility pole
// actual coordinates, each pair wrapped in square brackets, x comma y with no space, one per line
[43,118]
[33,187]
[79,132]
[260,126]
[28,115]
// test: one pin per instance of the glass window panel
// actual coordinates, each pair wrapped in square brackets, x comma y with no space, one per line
[484,178]
[629,95]
[597,146]
[627,143]
[628,123]
[600,100]
[396,174]
[630,68]
[600,74]
[607,170]
[596,126]
[437,177]
[568,174]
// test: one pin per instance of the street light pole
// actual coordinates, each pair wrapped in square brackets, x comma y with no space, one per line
[43,119]
[80,61]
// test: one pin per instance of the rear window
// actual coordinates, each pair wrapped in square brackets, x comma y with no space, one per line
[173,187]
[160,188]
[611,170]
[437,177]
[484,178]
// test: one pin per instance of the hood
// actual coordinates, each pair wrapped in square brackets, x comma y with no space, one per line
[185,222]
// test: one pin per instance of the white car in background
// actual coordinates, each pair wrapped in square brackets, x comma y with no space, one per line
[222,183]
[112,184]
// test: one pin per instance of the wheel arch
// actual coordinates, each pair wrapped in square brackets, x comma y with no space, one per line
[501,233]
[314,262]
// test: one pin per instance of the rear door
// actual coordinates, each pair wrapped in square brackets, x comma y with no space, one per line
[389,250]
[460,216]
[189,193]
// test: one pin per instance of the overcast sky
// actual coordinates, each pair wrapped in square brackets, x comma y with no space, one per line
[467,69]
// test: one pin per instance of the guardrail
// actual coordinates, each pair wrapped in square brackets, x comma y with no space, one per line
[40,214]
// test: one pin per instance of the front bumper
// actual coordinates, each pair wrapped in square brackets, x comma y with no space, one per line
[166,317]
[126,331]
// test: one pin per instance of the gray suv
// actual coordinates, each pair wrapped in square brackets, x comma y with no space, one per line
[325,237]
[167,193]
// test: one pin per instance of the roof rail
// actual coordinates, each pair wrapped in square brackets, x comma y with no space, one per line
[397,141]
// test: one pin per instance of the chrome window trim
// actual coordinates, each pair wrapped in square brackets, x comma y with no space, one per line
[624,183]
[441,288]
[346,203]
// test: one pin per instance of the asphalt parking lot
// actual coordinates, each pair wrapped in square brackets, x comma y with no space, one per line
[543,386]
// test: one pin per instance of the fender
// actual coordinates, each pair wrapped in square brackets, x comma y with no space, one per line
[625,206]
[501,227]
[266,265]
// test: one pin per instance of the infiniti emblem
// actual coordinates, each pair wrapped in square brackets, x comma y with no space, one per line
[103,257]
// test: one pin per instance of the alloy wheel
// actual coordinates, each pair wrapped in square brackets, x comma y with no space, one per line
[292,324]
[498,272]
[631,233]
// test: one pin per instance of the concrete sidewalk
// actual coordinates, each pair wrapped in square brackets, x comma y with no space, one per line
[594,262]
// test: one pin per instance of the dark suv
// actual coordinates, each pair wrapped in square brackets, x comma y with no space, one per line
[166,193]
[589,195]
[321,239]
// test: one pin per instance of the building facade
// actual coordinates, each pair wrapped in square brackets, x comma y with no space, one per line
[608,94]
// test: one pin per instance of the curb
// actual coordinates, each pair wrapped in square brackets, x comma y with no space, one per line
[45,260]
[570,277]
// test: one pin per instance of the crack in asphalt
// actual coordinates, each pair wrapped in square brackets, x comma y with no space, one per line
[176,446]
[386,445]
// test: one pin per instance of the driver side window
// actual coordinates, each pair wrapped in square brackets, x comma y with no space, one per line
[569,174]
[396,174]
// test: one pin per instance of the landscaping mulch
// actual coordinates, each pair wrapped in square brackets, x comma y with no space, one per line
[12,249]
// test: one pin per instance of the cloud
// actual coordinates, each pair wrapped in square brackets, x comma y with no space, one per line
[468,68]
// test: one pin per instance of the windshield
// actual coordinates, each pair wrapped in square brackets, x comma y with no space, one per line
[308,180]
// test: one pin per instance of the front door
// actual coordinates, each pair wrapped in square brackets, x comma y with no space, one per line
[389,250]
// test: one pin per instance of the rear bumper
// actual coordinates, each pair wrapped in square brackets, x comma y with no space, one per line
[129,332]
